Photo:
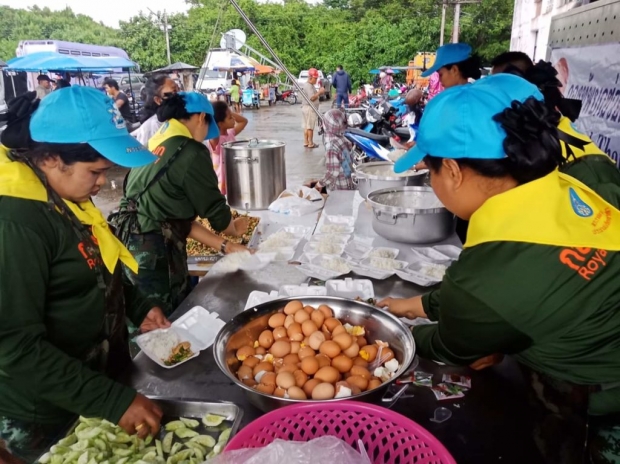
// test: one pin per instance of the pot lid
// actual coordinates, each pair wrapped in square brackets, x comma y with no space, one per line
[253,144]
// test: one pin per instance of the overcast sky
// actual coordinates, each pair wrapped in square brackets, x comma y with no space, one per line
[107,11]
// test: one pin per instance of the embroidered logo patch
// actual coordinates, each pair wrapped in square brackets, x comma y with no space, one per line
[579,206]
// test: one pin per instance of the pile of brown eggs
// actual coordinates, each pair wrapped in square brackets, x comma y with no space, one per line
[306,353]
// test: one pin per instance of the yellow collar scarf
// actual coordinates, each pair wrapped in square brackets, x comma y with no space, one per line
[169,129]
[555,210]
[565,125]
[19,181]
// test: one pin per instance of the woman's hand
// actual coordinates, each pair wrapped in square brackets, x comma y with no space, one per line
[142,417]
[404,307]
[487,361]
[241,225]
[236,248]
[155,319]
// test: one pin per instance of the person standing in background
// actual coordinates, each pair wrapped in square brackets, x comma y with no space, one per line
[309,116]
[120,99]
[434,86]
[155,91]
[235,96]
[342,84]
[45,86]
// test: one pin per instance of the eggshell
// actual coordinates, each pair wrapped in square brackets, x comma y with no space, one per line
[318,318]
[301,316]
[267,389]
[287,368]
[386,355]
[244,352]
[327,374]
[323,360]
[326,310]
[342,363]
[339,330]
[262,366]
[308,328]
[310,365]
[280,349]
[360,362]
[309,309]
[279,333]
[293,307]
[277,320]
[290,319]
[344,340]
[300,377]
[361,341]
[309,386]
[330,349]
[358,381]
[316,340]
[374,383]
[330,324]
[305,352]
[279,392]
[295,347]
[295,333]
[265,339]
[361,371]
[269,378]
[251,361]
[261,351]
[245,372]
[296,393]
[250,382]
[328,335]
[369,353]
[323,391]
[285,380]
[352,351]
[291,359]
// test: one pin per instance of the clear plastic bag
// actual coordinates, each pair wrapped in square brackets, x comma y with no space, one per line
[317,451]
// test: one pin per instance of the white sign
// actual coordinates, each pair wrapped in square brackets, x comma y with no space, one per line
[592,74]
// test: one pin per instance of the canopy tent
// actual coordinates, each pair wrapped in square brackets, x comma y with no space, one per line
[178,66]
[263,69]
[52,61]
[385,69]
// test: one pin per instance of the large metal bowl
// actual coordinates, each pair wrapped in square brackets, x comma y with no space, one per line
[245,328]
[380,175]
[410,215]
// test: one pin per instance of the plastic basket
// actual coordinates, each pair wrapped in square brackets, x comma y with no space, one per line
[387,436]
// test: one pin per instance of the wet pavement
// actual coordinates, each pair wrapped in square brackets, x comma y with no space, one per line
[281,122]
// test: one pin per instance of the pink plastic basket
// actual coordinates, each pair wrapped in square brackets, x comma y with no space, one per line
[388,436]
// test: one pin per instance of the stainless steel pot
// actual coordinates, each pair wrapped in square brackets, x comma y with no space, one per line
[410,215]
[380,175]
[255,172]
[245,328]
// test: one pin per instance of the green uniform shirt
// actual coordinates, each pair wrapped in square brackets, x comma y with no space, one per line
[51,316]
[187,189]
[530,301]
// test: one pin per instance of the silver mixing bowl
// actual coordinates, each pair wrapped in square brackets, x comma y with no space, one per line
[245,328]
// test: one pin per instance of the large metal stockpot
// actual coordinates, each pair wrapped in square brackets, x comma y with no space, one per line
[380,175]
[245,328]
[255,172]
[410,215]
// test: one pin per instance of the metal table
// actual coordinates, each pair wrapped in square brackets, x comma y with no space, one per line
[490,424]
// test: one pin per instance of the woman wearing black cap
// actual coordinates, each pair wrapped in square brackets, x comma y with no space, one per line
[63,301]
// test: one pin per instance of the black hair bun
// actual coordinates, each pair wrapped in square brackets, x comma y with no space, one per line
[16,135]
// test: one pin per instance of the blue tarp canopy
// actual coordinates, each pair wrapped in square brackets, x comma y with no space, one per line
[52,61]
[384,69]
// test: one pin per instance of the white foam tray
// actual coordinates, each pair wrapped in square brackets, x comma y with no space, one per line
[257,297]
[393,251]
[430,255]
[350,288]
[302,290]
[357,250]
[332,238]
[311,247]
[339,219]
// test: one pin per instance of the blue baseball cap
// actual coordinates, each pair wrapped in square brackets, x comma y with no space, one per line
[88,116]
[458,123]
[449,54]
[197,103]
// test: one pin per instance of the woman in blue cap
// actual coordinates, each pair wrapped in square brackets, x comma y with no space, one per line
[63,301]
[455,65]
[538,276]
[162,201]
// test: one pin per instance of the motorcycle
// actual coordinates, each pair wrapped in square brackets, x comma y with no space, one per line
[288,96]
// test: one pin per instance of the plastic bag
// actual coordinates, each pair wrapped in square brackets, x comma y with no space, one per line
[298,201]
[317,451]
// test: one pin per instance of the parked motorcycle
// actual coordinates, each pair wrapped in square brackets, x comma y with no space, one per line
[288,96]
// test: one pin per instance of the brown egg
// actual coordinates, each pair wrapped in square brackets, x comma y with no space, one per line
[293,307]
[358,381]
[328,335]
[342,363]
[369,353]
[265,339]
[280,348]
[361,341]
[279,333]
[244,352]
[290,319]
[250,382]
[279,392]
[309,327]
[294,332]
[327,311]
[323,391]
[361,371]
[309,365]
[245,372]
[339,330]
[296,393]
[262,366]
[301,316]
[268,378]
[251,361]
[285,380]
[360,362]
[323,360]
[374,383]
[306,341]
[330,348]
[300,377]
[291,359]
[305,352]
[386,355]
[309,309]
[327,374]
[316,340]
[295,347]
[267,389]
[344,340]
[330,324]
[261,351]
[355,390]
[287,368]
[277,320]
[309,386]
[352,351]
[318,318]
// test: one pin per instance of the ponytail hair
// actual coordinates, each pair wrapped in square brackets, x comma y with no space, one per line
[173,108]
[470,68]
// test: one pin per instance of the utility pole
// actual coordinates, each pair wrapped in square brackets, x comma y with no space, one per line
[444,7]
[455,26]
[163,25]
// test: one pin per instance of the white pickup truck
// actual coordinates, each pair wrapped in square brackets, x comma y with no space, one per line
[321,82]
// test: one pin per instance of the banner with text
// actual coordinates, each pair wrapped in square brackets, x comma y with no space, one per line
[592,74]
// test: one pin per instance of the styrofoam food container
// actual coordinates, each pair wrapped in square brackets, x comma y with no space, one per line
[420,268]
[302,290]
[312,247]
[350,288]
[415,277]
[357,250]
[336,229]
[451,251]
[340,219]
[397,265]
[298,231]
[257,297]
[393,251]
[379,274]
[430,255]
[279,254]
[317,272]
[284,244]
[197,326]
[332,238]
[319,259]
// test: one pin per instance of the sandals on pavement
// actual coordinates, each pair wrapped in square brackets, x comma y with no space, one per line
[312,146]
